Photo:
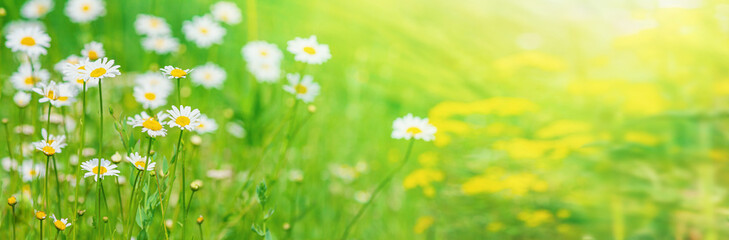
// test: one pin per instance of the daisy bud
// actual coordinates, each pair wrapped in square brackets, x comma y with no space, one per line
[196,140]
[286,226]
[5,121]
[311,108]
[196,185]
[88,152]
[200,219]
[228,113]
[105,218]
[152,173]
[12,201]
[116,158]
[81,212]
[169,223]
[40,215]
[3,12]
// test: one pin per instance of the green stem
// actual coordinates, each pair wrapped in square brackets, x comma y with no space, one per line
[99,153]
[82,129]
[201,232]
[134,213]
[58,187]
[131,203]
[377,190]
[118,194]
[189,202]
[182,185]
[178,92]
[45,188]
[13,207]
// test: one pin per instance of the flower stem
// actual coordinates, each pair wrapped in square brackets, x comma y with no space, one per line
[82,129]
[161,206]
[99,153]
[201,232]
[58,187]
[131,203]
[377,190]
[118,194]
[45,187]
[182,185]
[13,207]
[179,101]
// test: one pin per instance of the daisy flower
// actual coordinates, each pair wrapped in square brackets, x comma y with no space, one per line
[175,72]
[184,117]
[66,95]
[154,80]
[49,92]
[40,215]
[82,11]
[22,99]
[261,51]
[161,44]
[73,73]
[209,75]
[150,97]
[35,9]
[61,224]
[106,169]
[61,65]
[32,41]
[57,94]
[151,125]
[203,30]
[50,138]
[93,51]
[265,71]
[139,162]
[26,77]
[206,125]
[408,127]
[304,88]
[226,12]
[308,50]
[151,25]
[49,148]
[30,171]
[99,69]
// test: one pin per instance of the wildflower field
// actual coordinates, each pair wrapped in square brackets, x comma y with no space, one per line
[269,119]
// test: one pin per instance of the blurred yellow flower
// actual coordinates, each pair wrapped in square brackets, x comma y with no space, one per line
[495,181]
[535,218]
[563,127]
[511,64]
[423,178]
[423,223]
[494,226]
[641,138]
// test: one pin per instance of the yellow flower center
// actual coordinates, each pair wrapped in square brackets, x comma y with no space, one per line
[29,80]
[95,170]
[93,55]
[264,53]
[85,8]
[140,164]
[152,124]
[204,31]
[98,72]
[310,50]
[414,130]
[150,96]
[28,41]
[32,172]
[201,126]
[300,89]
[60,225]
[178,73]
[154,23]
[40,215]
[182,121]
[80,81]
[51,95]
[48,150]
[62,99]
[41,9]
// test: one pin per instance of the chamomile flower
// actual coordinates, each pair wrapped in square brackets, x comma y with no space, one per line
[93,51]
[263,71]
[60,224]
[151,25]
[49,148]
[175,72]
[32,41]
[30,171]
[206,125]
[106,169]
[50,138]
[82,11]
[184,117]
[99,69]
[261,51]
[226,12]
[73,73]
[22,99]
[140,162]
[203,30]
[162,44]
[153,126]
[35,9]
[61,65]
[150,97]
[154,80]
[58,95]
[26,77]
[209,75]
[303,88]
[308,50]
[408,127]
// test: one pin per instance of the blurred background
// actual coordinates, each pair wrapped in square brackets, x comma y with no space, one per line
[556,119]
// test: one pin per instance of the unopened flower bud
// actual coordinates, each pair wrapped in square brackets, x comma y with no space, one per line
[105,218]
[12,201]
[5,121]
[116,158]
[311,108]
[196,140]
[81,212]
[40,215]
[200,219]
[196,185]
